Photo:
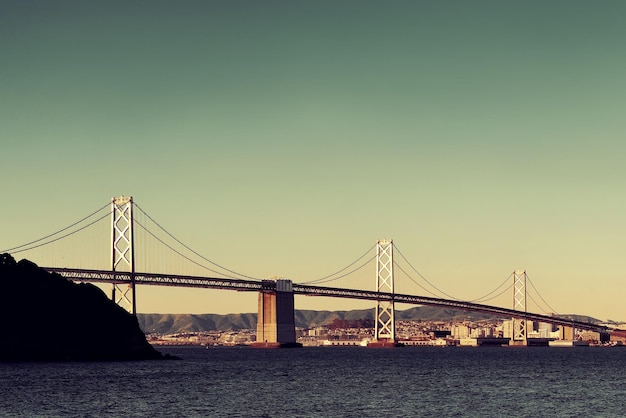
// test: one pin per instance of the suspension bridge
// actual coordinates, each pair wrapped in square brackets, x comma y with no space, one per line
[122,219]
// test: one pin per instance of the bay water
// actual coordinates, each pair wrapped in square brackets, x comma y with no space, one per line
[327,382]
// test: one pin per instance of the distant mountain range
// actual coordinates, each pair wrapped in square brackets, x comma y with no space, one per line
[176,323]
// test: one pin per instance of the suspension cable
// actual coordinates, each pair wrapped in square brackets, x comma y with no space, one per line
[59,238]
[321,279]
[189,249]
[413,280]
[423,278]
[179,253]
[539,294]
[318,281]
[535,302]
[506,289]
[10,250]
[483,298]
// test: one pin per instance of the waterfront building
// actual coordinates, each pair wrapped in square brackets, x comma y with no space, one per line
[459,332]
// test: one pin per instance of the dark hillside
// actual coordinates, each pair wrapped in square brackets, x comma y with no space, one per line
[47,317]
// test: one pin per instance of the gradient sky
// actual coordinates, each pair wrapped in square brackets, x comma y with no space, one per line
[286,137]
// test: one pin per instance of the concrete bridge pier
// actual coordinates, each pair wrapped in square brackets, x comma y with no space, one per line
[276,327]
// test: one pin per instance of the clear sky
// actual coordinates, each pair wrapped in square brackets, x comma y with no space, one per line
[286,137]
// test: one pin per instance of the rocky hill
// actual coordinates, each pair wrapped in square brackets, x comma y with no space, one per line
[47,317]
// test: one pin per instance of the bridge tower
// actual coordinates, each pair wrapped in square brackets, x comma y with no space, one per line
[519,326]
[385,329]
[123,251]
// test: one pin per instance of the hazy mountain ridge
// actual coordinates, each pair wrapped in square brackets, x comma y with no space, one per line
[175,323]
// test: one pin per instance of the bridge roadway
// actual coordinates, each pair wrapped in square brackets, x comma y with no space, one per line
[107,276]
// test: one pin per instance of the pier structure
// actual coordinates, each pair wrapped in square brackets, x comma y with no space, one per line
[275,324]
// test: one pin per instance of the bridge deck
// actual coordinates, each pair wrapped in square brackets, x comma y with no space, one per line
[107,276]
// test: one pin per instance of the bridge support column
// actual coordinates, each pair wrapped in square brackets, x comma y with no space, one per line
[520,326]
[123,251]
[275,323]
[385,330]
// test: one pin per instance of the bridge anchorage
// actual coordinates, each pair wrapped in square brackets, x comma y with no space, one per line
[276,326]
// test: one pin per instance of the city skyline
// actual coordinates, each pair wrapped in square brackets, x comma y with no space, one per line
[284,139]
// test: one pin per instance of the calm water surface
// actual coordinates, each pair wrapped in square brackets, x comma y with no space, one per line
[327,382]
